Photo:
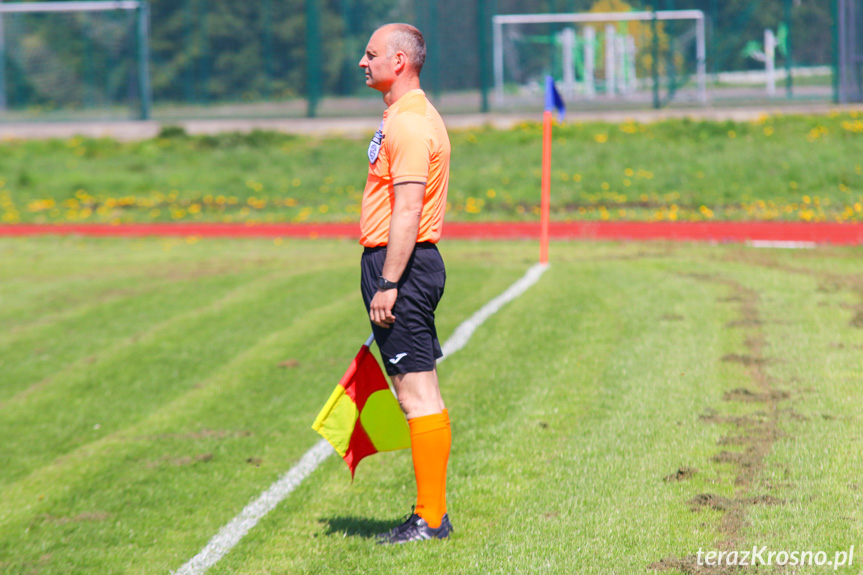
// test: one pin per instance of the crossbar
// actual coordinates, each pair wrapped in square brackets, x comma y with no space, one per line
[24,7]
[597,17]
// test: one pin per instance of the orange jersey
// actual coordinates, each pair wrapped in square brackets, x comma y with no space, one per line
[414,148]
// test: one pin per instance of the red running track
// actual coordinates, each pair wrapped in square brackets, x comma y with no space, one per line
[796,232]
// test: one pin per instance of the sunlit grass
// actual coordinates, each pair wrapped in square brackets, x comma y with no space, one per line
[151,388]
[776,168]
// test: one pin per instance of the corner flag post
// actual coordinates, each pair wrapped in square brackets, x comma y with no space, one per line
[546,187]
[552,101]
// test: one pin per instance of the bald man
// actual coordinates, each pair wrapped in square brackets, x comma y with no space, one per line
[403,274]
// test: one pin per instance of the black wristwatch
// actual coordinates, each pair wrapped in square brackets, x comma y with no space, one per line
[384,284]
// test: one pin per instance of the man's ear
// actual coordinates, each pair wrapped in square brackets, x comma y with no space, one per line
[401,62]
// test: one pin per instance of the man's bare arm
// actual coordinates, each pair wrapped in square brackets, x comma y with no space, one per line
[404,229]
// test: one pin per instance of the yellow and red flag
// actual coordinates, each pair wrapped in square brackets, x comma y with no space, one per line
[362,415]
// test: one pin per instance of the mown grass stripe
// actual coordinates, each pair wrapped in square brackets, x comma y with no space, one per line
[236,529]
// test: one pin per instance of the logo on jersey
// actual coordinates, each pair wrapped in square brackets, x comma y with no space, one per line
[375,144]
[397,358]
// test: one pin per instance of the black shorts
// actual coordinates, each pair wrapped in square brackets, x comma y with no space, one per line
[411,344]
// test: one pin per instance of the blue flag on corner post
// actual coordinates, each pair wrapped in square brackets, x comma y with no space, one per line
[552,99]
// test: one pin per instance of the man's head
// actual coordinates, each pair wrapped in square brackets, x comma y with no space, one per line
[395,54]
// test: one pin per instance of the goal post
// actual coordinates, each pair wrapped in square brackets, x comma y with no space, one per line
[113,70]
[624,52]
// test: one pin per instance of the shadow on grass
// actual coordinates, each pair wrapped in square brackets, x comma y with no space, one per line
[356,526]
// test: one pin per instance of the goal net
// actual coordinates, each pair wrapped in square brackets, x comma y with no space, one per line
[612,57]
[85,60]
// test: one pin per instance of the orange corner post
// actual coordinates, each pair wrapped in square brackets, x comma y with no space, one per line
[546,187]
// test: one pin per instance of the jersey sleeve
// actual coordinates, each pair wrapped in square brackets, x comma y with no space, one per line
[410,149]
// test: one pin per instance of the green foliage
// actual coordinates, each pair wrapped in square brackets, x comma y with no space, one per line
[207,51]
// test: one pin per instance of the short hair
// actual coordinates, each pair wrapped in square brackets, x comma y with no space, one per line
[407,39]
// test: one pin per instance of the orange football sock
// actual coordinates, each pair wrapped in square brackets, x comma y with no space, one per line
[430,443]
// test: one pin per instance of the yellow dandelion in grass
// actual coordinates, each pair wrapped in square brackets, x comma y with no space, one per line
[601,138]
[807,200]
[606,186]
[628,172]
[254,185]
[296,182]
[732,134]
[706,212]
[576,177]
[474,205]
[627,182]
[519,209]
[323,208]
[792,185]
[816,133]
[491,193]
[191,240]
[278,241]
[768,130]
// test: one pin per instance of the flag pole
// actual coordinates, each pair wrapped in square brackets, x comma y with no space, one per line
[370,340]
[546,187]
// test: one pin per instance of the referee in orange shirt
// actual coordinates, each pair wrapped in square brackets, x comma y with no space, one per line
[403,275]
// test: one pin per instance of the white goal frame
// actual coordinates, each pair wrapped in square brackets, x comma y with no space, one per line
[700,50]
[143,31]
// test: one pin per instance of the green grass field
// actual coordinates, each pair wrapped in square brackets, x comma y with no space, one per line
[793,168]
[641,402]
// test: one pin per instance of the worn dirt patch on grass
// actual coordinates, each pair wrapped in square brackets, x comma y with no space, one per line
[754,433]
[689,565]
[681,474]
[748,396]
[80,518]
[184,461]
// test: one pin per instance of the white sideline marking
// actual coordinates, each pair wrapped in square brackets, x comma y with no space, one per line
[463,332]
[782,244]
[231,534]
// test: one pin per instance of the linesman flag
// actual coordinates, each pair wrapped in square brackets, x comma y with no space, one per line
[362,415]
